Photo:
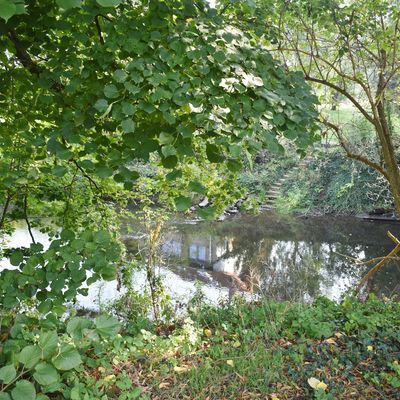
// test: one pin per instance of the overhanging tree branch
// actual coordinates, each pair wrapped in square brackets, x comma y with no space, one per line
[26,60]
[344,93]
[349,153]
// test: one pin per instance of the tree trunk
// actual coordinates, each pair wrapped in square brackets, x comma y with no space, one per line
[388,153]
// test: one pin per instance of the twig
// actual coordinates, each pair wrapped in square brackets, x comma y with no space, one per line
[380,264]
[5,209]
[99,32]
[91,180]
[27,219]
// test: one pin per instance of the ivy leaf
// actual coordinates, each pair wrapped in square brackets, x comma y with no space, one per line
[7,9]
[109,3]
[67,4]
[67,358]
[127,108]
[168,150]
[24,390]
[182,203]
[45,374]
[7,374]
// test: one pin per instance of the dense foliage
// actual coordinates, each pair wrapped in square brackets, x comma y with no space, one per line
[237,351]
[86,91]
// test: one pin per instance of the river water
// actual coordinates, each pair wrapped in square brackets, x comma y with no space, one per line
[282,257]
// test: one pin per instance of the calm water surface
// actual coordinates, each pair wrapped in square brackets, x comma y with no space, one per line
[281,257]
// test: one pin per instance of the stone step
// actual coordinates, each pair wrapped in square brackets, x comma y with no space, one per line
[266,207]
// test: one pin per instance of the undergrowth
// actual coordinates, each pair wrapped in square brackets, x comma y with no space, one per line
[261,350]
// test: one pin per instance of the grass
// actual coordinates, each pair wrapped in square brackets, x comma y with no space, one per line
[240,351]
[269,350]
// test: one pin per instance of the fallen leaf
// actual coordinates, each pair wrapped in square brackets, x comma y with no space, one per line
[236,344]
[322,385]
[370,348]
[317,384]
[163,385]
[180,370]
[207,332]
[331,341]
[230,362]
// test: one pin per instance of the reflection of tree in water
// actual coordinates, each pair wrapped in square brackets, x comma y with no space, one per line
[285,259]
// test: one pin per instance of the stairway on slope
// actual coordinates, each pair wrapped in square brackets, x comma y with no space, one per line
[275,190]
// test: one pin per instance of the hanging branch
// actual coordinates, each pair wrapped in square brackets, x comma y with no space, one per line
[5,209]
[380,264]
[26,60]
[98,27]
[350,154]
[27,219]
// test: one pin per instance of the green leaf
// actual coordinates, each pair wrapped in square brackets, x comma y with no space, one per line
[219,56]
[67,4]
[103,171]
[207,213]
[16,258]
[30,355]
[4,396]
[24,390]
[67,358]
[7,374]
[76,326]
[59,171]
[119,75]
[109,3]
[234,166]
[107,326]
[168,150]
[45,374]
[182,203]
[101,105]
[128,125]
[169,162]
[111,91]
[128,108]
[48,342]
[213,154]
[7,9]
[197,187]
[260,105]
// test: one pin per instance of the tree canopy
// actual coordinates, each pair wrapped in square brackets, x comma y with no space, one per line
[89,88]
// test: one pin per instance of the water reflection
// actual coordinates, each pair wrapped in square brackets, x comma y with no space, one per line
[284,258]
[280,257]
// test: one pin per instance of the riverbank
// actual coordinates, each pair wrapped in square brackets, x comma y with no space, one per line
[325,183]
[264,350]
